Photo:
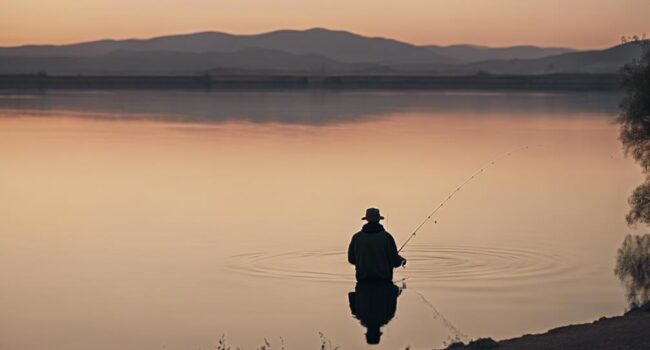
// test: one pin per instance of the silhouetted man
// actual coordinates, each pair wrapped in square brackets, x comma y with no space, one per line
[374,304]
[373,251]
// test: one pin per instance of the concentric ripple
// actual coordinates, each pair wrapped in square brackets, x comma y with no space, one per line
[425,263]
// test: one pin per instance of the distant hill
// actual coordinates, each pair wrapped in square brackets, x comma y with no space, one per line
[473,53]
[595,61]
[313,51]
[173,62]
[337,45]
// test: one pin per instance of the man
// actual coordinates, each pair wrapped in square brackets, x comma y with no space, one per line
[373,251]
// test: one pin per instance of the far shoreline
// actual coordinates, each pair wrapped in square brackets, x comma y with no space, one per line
[484,81]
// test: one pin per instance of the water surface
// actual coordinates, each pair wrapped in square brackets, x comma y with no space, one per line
[162,220]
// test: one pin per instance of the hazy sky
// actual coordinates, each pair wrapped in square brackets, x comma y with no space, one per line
[574,23]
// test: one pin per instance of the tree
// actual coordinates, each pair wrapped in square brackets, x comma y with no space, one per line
[635,127]
[633,260]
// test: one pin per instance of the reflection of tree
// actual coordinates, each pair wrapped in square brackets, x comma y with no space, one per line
[635,128]
[633,269]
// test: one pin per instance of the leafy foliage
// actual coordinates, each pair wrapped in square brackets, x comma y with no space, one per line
[635,127]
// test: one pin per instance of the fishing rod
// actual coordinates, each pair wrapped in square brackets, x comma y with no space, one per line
[458,188]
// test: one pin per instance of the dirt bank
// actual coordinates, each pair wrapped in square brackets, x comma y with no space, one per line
[628,332]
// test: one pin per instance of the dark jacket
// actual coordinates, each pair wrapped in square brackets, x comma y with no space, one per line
[374,253]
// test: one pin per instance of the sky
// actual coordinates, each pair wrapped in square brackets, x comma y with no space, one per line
[569,23]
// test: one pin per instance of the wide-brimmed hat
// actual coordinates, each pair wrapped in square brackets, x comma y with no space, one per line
[372,214]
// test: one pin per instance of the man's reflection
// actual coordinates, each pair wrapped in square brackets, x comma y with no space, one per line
[374,304]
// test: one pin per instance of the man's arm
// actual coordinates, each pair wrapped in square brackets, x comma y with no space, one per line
[351,258]
[396,259]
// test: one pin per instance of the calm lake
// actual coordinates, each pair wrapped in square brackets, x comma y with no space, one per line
[164,220]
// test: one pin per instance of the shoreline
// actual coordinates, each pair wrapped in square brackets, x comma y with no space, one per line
[549,82]
[630,331]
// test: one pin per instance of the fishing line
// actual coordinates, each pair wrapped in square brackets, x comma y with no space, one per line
[458,188]
[458,335]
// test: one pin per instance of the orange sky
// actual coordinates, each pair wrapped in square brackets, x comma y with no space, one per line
[573,23]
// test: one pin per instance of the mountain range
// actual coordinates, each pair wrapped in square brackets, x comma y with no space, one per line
[312,51]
